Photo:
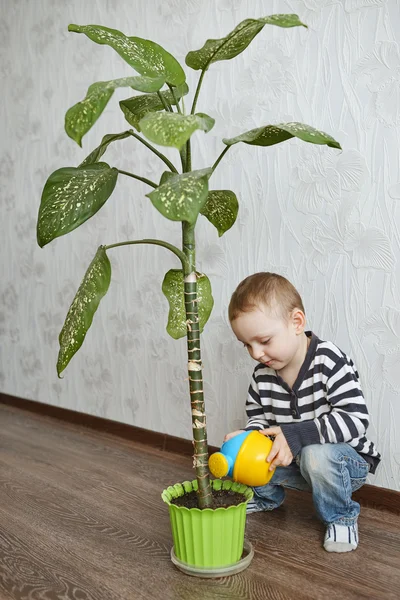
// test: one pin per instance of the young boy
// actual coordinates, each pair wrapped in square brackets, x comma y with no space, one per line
[306,394]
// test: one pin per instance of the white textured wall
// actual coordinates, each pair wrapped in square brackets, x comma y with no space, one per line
[325,219]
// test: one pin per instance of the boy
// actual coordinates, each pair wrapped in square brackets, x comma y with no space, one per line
[306,394]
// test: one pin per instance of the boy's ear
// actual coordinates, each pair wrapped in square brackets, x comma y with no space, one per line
[298,320]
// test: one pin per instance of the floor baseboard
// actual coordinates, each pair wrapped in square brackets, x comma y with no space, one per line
[369,495]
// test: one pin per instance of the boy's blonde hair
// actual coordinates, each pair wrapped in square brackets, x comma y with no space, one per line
[268,289]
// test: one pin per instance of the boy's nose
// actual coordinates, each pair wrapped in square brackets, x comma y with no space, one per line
[261,355]
[258,353]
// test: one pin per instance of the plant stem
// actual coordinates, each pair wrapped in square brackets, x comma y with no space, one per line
[197,92]
[200,457]
[154,185]
[150,147]
[173,249]
[188,166]
[220,157]
[199,426]
[175,98]
[182,153]
[163,100]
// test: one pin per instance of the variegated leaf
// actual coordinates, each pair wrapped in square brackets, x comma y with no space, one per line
[98,152]
[221,209]
[83,115]
[71,196]
[173,289]
[236,41]
[182,197]
[145,56]
[80,314]
[173,129]
[274,134]
[136,108]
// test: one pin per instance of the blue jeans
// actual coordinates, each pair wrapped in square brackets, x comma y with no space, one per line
[330,471]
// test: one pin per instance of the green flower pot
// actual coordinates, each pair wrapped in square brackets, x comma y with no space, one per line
[209,540]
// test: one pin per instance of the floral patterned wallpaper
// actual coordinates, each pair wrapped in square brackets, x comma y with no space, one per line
[328,220]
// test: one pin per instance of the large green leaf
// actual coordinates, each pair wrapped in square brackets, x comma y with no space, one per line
[173,289]
[221,209]
[82,116]
[71,196]
[145,56]
[98,152]
[173,129]
[181,197]
[236,41]
[80,315]
[274,134]
[136,108]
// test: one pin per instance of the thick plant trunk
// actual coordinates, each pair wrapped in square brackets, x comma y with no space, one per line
[200,457]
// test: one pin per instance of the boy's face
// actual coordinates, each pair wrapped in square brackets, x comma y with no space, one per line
[268,337]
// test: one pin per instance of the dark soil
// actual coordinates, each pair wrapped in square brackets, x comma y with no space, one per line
[221,499]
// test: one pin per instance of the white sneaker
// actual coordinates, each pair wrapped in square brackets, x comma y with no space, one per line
[341,538]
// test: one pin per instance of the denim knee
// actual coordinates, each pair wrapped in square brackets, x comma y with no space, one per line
[316,460]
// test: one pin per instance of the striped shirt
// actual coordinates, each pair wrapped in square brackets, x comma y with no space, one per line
[325,406]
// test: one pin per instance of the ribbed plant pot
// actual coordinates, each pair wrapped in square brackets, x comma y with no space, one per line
[209,542]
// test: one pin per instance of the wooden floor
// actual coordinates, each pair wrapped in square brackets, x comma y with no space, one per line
[81,517]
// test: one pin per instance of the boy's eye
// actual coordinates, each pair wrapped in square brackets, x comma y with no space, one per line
[265,342]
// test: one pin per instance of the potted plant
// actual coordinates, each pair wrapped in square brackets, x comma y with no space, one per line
[207,540]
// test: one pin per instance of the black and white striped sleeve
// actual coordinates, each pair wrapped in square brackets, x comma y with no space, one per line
[254,409]
[347,420]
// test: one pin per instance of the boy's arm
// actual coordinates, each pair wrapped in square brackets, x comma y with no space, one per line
[255,412]
[347,420]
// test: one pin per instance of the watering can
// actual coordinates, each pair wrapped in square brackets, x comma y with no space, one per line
[244,458]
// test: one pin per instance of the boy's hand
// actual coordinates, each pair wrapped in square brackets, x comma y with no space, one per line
[231,435]
[280,455]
